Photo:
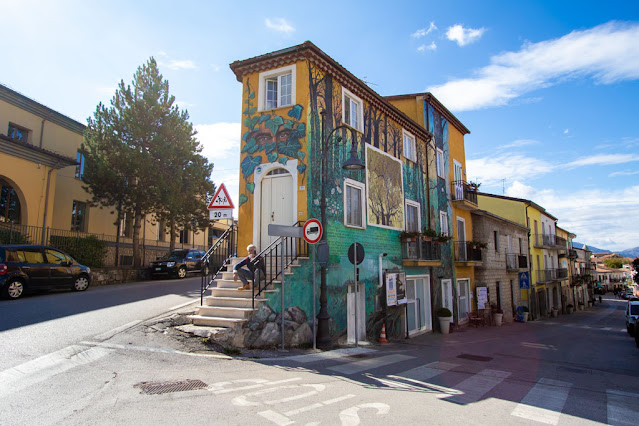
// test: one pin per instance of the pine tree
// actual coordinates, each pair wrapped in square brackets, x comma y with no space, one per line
[132,150]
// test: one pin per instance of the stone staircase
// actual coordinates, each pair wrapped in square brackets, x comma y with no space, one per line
[229,307]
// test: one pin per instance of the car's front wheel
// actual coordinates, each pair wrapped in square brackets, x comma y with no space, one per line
[81,283]
[182,272]
[14,289]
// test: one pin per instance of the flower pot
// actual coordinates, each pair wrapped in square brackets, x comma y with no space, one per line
[569,309]
[444,324]
[525,316]
[499,318]
[554,312]
[589,304]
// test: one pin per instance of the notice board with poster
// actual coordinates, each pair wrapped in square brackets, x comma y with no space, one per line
[395,288]
[482,297]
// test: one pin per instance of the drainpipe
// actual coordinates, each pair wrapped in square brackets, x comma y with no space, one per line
[530,301]
[46,199]
[42,130]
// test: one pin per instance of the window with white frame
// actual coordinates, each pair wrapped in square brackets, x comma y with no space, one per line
[464,297]
[440,163]
[413,219]
[277,88]
[409,146]
[352,110]
[443,222]
[354,204]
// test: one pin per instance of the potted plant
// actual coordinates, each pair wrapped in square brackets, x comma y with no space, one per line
[581,306]
[429,234]
[408,236]
[444,315]
[473,186]
[442,239]
[554,312]
[498,314]
[569,308]
[477,244]
[525,313]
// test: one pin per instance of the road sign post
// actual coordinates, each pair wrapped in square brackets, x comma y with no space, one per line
[312,233]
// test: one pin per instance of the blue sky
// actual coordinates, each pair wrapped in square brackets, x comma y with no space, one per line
[548,89]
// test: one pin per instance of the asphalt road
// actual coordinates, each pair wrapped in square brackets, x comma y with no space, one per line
[576,369]
[39,324]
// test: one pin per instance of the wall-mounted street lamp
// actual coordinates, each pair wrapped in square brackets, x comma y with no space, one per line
[353,163]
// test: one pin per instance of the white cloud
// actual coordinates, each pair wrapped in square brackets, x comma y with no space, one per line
[221,145]
[279,24]
[601,222]
[183,104]
[519,143]
[423,32]
[181,65]
[566,132]
[613,174]
[424,47]
[607,53]
[464,36]
[604,160]
[492,169]
[216,67]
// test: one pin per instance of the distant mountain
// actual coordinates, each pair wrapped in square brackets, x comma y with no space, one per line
[591,248]
[631,253]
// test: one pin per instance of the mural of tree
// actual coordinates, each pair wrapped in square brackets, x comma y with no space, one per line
[385,192]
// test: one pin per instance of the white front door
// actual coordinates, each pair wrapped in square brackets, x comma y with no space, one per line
[463,289]
[447,295]
[418,304]
[276,203]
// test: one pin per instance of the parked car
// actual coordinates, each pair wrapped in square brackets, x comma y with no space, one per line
[179,263]
[25,268]
[632,313]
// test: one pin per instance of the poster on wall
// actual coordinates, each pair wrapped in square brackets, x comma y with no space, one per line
[401,288]
[385,189]
[482,297]
[391,289]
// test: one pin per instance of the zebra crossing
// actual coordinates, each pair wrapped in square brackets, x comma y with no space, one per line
[543,400]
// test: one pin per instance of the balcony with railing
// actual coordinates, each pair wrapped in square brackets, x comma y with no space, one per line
[548,241]
[561,274]
[466,252]
[561,242]
[546,275]
[464,195]
[418,252]
[515,261]
[572,254]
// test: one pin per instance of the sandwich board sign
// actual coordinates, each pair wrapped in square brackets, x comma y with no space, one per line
[221,206]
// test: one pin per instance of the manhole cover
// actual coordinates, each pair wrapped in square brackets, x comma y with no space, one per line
[475,357]
[155,388]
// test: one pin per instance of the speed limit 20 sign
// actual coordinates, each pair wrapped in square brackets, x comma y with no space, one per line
[312,231]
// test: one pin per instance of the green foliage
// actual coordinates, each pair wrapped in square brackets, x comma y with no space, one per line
[12,237]
[614,262]
[444,312]
[635,266]
[429,232]
[89,251]
[142,156]
[232,351]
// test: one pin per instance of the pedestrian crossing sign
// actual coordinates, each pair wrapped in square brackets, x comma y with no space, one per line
[221,199]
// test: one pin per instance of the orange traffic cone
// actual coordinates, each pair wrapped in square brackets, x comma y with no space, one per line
[382,337]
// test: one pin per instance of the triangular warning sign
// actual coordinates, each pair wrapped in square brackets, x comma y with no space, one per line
[221,200]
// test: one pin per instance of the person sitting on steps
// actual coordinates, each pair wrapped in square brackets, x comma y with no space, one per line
[246,269]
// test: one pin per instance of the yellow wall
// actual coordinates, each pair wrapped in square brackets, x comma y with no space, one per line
[246,209]
[30,182]
[514,211]
[412,107]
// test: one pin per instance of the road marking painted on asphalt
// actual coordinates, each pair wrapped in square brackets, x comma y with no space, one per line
[183,305]
[339,353]
[319,405]
[243,401]
[146,349]
[222,387]
[369,364]
[41,369]
[475,387]
[539,346]
[544,402]
[349,417]
[276,417]
[606,328]
[622,407]
[105,336]
[428,371]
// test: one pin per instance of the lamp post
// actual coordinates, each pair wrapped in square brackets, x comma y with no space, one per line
[353,163]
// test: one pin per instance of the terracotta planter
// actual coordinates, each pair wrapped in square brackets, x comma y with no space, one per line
[444,324]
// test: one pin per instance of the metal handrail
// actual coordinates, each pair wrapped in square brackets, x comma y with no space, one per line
[220,253]
[269,261]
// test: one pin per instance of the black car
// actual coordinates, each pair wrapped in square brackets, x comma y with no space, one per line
[25,268]
[179,263]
